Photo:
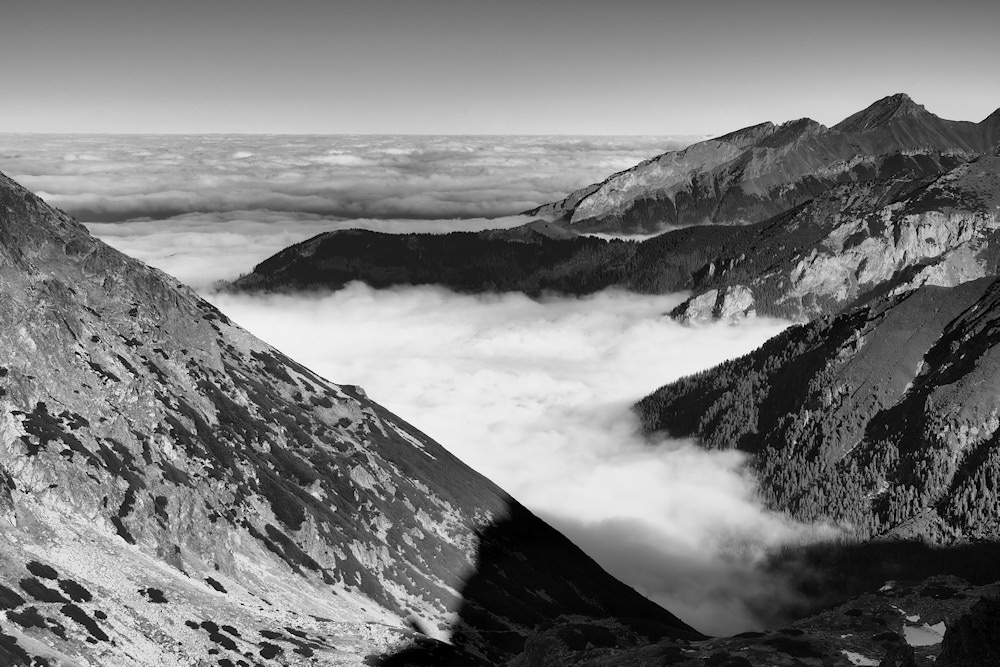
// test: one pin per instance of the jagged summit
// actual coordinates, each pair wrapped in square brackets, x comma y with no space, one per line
[791,131]
[760,171]
[885,110]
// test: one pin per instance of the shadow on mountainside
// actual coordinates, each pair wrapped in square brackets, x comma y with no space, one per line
[530,575]
[824,576]
[830,573]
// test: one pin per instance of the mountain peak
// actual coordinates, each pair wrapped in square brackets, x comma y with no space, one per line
[881,112]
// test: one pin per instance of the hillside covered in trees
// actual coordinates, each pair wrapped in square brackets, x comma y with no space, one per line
[882,419]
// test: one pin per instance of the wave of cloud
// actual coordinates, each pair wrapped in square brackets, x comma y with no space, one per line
[536,395]
[118,178]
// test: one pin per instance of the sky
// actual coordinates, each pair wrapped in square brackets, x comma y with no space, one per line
[476,67]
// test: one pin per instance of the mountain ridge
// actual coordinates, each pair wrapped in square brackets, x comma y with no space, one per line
[880,419]
[173,475]
[760,171]
[845,246]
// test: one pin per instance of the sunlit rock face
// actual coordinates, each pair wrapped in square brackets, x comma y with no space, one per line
[761,171]
[729,304]
[174,491]
[858,242]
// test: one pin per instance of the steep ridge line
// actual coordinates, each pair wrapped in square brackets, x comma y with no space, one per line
[165,476]
[758,172]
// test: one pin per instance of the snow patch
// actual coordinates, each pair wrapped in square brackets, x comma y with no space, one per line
[858,659]
[924,635]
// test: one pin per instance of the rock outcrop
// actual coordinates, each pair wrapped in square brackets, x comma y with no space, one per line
[761,171]
[860,241]
[175,491]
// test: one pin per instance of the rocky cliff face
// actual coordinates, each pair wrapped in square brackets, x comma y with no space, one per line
[883,420]
[761,171]
[859,241]
[174,491]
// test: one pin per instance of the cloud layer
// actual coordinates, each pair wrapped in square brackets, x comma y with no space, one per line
[234,200]
[116,178]
[535,395]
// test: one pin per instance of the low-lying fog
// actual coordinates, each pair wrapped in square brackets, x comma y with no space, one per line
[534,394]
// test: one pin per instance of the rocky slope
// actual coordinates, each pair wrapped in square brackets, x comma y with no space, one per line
[883,420]
[174,491]
[853,243]
[761,171]
[940,621]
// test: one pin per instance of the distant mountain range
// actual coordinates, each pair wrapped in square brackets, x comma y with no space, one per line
[853,243]
[758,172]
[795,221]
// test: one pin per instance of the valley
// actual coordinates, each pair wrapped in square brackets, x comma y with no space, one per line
[176,490]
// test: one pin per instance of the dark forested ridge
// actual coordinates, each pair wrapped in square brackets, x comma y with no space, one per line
[494,262]
[462,261]
[882,419]
[891,198]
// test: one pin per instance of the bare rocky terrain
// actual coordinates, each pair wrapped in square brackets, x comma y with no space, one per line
[173,491]
[758,172]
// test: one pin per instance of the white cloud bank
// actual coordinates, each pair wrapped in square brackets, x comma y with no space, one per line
[533,394]
[117,178]
[209,208]
[536,396]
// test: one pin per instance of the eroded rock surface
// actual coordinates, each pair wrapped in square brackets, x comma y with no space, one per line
[175,491]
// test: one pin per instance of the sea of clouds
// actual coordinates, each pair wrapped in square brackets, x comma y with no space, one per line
[537,396]
[533,393]
[176,200]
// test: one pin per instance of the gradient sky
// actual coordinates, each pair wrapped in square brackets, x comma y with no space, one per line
[485,67]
